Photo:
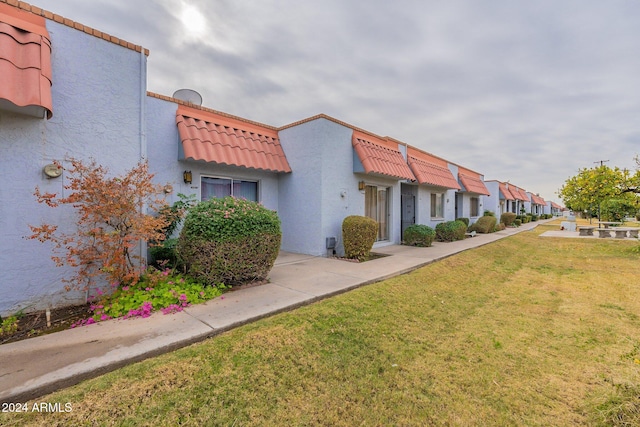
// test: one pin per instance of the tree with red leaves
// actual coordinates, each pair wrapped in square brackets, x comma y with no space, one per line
[114,215]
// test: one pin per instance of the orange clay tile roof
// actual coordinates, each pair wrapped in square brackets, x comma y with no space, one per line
[523,193]
[505,191]
[555,205]
[430,170]
[380,156]
[472,182]
[537,200]
[25,59]
[231,141]
[518,193]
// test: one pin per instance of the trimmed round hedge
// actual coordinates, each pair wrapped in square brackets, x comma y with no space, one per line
[358,236]
[419,235]
[507,218]
[228,240]
[450,231]
[484,224]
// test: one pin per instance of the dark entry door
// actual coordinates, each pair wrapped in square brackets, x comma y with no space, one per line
[408,202]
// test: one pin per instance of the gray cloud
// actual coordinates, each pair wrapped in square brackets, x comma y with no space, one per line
[521,91]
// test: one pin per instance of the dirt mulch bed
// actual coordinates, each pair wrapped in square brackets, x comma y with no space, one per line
[35,324]
[371,257]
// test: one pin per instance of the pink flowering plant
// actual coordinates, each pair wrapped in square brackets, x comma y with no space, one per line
[162,290]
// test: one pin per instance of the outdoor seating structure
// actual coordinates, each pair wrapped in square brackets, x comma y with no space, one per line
[618,232]
[607,231]
[586,230]
[621,233]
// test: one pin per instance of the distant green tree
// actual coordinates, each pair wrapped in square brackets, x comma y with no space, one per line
[591,187]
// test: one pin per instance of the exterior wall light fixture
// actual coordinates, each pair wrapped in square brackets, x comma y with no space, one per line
[52,170]
[361,185]
[187,176]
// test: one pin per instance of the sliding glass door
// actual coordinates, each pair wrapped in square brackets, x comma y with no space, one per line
[376,206]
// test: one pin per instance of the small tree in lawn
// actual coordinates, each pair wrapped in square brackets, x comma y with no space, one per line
[111,223]
[592,187]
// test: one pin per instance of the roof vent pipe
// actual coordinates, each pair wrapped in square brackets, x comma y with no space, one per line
[188,95]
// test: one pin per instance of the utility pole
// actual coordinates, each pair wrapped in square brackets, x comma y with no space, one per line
[602,162]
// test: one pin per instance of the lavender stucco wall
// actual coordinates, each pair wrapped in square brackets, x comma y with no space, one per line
[98,111]
[492,202]
[323,188]
[423,205]
[301,193]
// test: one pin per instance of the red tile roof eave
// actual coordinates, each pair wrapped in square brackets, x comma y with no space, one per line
[25,57]
[216,139]
[537,200]
[433,175]
[473,185]
[233,165]
[502,187]
[555,205]
[381,159]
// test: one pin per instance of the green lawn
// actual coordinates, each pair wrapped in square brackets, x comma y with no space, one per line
[526,331]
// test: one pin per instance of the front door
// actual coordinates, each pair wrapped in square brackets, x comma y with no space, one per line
[458,205]
[408,210]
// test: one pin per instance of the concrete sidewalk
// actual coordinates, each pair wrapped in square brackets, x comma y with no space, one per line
[38,366]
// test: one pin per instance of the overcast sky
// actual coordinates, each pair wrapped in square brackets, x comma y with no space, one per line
[518,90]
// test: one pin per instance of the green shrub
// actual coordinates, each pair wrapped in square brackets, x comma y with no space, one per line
[231,241]
[507,218]
[517,222]
[534,217]
[450,231]
[157,290]
[488,213]
[463,219]
[358,236]
[484,224]
[9,325]
[616,209]
[499,227]
[419,235]
[164,254]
